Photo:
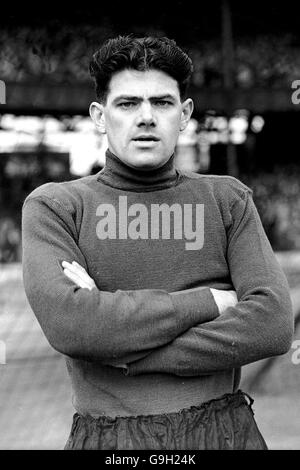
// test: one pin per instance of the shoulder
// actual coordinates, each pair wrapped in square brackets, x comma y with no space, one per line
[218,181]
[222,187]
[66,194]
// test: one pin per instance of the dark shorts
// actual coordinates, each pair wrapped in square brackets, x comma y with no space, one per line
[223,423]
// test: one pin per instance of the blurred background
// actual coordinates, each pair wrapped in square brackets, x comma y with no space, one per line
[246,124]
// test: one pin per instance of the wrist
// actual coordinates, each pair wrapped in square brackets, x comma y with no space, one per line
[197,304]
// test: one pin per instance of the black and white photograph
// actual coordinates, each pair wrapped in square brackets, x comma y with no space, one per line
[150,228]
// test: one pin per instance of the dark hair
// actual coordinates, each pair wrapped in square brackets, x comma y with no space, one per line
[127,52]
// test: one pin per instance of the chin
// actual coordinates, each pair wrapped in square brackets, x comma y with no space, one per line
[148,162]
[147,166]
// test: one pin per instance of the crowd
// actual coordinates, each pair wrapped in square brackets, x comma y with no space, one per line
[277,197]
[60,53]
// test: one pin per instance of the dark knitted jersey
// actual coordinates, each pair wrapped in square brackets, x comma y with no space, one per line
[144,236]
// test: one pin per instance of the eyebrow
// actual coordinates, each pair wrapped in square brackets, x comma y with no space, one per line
[140,98]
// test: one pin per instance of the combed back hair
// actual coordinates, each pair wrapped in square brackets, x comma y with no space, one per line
[142,54]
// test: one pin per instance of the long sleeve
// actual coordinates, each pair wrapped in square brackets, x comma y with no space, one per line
[259,326]
[95,325]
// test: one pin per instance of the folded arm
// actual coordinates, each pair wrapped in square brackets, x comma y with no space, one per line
[260,325]
[81,278]
[93,324]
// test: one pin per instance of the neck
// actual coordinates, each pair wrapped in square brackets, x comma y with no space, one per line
[121,176]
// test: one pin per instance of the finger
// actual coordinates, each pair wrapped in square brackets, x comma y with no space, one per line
[78,266]
[73,276]
[84,274]
[80,272]
[77,280]
[66,264]
[74,264]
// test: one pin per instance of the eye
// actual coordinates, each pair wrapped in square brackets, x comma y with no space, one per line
[162,103]
[127,104]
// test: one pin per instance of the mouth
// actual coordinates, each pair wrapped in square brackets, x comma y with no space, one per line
[146,138]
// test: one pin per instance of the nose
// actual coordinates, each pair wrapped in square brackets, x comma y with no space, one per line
[146,116]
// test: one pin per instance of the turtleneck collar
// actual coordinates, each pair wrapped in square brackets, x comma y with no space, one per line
[118,175]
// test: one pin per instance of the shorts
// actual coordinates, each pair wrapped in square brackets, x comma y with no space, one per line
[226,423]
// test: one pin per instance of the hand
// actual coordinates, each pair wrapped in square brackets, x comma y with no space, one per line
[78,274]
[118,366]
[224,298]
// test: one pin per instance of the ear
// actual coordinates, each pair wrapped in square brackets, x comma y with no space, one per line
[187,110]
[97,115]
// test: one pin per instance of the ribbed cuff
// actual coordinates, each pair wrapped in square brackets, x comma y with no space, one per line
[197,305]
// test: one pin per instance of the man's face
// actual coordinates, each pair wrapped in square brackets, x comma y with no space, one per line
[142,117]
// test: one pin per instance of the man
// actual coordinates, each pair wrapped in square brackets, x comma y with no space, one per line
[132,273]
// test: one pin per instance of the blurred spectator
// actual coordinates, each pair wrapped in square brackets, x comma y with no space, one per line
[60,53]
[10,241]
[277,197]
